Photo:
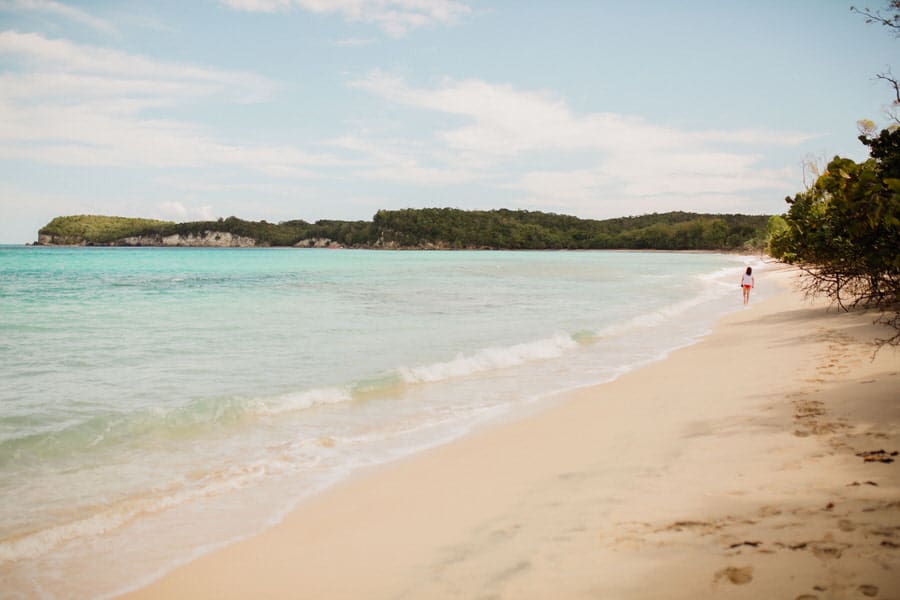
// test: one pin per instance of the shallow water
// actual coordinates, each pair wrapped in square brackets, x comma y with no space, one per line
[189,397]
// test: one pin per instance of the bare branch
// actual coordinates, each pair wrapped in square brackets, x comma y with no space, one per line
[893,81]
[891,320]
[892,22]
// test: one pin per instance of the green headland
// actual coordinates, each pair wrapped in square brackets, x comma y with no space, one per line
[427,228]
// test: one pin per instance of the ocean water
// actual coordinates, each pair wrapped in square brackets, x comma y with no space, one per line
[158,403]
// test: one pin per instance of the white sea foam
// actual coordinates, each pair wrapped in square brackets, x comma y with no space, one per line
[299,401]
[727,275]
[655,318]
[103,519]
[490,359]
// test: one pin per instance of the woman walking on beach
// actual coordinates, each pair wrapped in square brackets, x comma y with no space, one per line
[747,282]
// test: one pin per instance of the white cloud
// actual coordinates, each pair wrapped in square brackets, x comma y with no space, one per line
[755,136]
[395,17]
[56,56]
[620,157]
[401,161]
[507,121]
[92,135]
[59,10]
[259,5]
[205,185]
[177,211]
[83,105]
[354,42]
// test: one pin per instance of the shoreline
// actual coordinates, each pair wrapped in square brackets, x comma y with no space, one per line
[754,254]
[688,476]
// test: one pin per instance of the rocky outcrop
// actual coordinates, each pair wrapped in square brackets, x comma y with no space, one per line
[207,239]
[224,239]
[48,240]
[381,244]
[317,243]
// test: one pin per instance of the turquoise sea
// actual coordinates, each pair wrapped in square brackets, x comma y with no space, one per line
[157,403]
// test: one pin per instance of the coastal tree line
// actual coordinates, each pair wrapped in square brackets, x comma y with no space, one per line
[449,228]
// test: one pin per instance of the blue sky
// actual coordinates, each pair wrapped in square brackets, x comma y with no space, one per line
[310,109]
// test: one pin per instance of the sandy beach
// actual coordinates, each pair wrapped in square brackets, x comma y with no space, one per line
[744,466]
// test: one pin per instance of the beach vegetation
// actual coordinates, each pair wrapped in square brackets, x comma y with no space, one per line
[776,230]
[844,231]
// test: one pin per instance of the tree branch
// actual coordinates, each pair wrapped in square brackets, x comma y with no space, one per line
[892,22]
[893,81]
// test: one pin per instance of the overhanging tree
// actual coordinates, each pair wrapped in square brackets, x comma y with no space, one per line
[844,231]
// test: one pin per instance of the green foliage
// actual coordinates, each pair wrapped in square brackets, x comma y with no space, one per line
[777,231]
[265,234]
[454,228]
[845,230]
[96,228]
[537,230]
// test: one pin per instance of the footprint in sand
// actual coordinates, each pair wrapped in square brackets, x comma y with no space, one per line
[736,575]
[829,550]
[846,525]
[744,543]
[881,456]
[868,590]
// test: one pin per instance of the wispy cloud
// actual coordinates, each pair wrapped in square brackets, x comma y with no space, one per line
[504,129]
[178,211]
[84,105]
[57,9]
[395,17]
[354,42]
[505,121]
[402,161]
[207,185]
[57,56]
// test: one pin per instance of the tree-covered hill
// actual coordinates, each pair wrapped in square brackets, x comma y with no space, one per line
[440,228]
[80,229]
[537,230]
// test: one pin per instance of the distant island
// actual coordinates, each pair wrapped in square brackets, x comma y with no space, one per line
[426,228]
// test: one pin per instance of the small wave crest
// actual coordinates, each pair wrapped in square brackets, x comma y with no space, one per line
[489,359]
[191,419]
[300,401]
[732,273]
[656,317]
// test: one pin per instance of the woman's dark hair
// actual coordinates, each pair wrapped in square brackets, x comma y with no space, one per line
[749,270]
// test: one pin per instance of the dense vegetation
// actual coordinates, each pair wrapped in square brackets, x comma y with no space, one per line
[537,230]
[844,231]
[450,228]
[96,229]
